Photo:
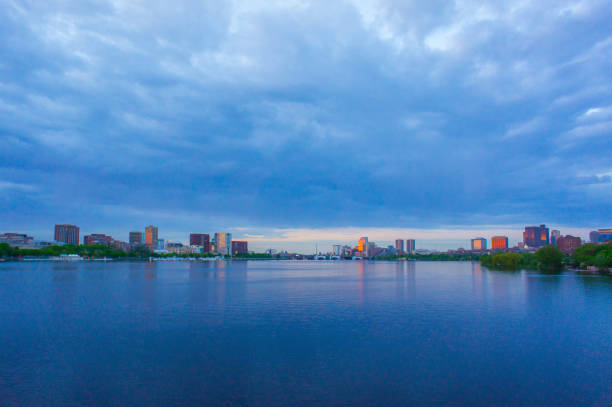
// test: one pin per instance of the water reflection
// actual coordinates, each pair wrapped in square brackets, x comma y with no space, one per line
[303,333]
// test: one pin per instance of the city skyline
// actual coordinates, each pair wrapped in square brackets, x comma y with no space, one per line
[307,240]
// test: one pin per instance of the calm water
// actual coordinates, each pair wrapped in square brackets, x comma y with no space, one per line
[301,333]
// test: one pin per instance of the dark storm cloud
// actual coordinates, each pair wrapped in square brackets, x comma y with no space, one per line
[305,114]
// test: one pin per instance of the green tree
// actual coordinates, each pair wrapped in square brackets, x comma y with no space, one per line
[5,250]
[550,258]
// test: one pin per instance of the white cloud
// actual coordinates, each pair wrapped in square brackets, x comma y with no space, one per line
[596,114]
[16,186]
[526,128]
[592,130]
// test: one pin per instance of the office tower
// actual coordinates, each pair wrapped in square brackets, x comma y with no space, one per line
[568,244]
[410,246]
[200,239]
[240,247]
[362,246]
[480,243]
[151,237]
[554,234]
[337,250]
[68,234]
[604,235]
[594,237]
[399,245]
[98,238]
[535,236]
[223,243]
[499,242]
[161,244]
[135,238]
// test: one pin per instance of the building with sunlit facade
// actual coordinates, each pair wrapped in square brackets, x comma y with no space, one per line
[223,243]
[499,242]
[536,236]
[362,245]
[480,243]
[151,236]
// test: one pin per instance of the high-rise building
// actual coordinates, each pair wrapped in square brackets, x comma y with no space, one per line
[151,236]
[410,246]
[499,242]
[161,244]
[98,238]
[535,236]
[68,234]
[362,246]
[399,245]
[135,238]
[605,235]
[568,244]
[480,243]
[200,239]
[223,243]
[337,250]
[240,247]
[554,234]
[594,237]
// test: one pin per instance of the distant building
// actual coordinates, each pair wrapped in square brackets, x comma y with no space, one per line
[499,242]
[98,238]
[373,250]
[554,234]
[116,244]
[480,243]
[151,236]
[594,237]
[536,236]
[135,238]
[410,246]
[605,235]
[68,234]
[240,247]
[17,239]
[568,244]
[337,250]
[200,239]
[161,244]
[362,246]
[399,246]
[223,243]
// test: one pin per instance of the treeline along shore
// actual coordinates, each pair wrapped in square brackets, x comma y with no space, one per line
[594,257]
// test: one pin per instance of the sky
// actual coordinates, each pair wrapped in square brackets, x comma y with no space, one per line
[290,123]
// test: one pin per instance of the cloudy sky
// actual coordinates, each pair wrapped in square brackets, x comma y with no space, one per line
[289,122]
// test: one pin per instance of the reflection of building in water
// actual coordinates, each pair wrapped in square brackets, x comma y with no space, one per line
[405,280]
[477,280]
